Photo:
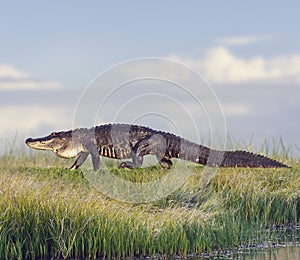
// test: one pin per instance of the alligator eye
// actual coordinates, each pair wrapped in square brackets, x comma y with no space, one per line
[53,134]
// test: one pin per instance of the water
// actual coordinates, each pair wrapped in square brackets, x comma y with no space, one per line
[280,253]
[283,243]
[283,252]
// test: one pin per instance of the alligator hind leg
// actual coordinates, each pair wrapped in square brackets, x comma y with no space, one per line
[142,148]
[137,161]
[126,164]
[155,145]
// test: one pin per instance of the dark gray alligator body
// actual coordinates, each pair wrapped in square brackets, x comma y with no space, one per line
[121,141]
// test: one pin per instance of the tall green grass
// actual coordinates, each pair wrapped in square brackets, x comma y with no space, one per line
[47,211]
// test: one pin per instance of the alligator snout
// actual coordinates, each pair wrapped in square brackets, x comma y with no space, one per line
[28,140]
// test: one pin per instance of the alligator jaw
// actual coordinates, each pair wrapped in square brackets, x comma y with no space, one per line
[52,142]
[63,144]
[43,143]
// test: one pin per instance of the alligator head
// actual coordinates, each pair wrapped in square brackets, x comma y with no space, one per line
[60,143]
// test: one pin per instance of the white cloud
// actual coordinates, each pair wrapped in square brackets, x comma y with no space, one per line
[20,119]
[219,65]
[242,40]
[13,79]
[10,72]
[29,85]
[21,122]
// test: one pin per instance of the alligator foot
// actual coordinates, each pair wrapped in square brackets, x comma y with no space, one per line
[129,165]
[165,163]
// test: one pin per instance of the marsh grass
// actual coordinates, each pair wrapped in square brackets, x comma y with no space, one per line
[48,211]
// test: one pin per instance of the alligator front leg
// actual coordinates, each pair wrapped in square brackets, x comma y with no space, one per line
[93,151]
[79,161]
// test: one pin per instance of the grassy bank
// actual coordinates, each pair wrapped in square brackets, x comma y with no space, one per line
[53,212]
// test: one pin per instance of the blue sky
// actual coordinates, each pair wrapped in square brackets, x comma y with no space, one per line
[248,51]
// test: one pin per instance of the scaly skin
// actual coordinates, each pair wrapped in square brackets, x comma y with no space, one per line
[121,141]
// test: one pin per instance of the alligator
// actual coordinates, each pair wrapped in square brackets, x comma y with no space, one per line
[124,141]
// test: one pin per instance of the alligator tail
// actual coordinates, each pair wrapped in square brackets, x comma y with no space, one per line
[203,155]
[247,159]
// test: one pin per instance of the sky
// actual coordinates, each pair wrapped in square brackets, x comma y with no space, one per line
[62,61]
